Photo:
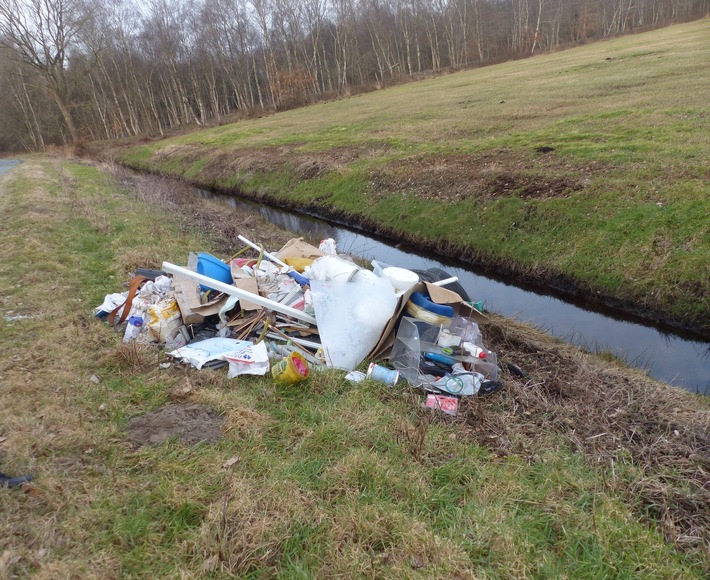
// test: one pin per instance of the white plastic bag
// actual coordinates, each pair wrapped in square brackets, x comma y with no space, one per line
[351,316]
[330,268]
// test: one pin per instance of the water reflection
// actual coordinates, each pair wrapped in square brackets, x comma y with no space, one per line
[668,357]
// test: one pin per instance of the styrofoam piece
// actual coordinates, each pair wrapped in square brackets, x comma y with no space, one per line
[234,291]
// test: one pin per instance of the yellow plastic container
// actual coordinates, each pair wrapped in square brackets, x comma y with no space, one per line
[298,264]
[290,370]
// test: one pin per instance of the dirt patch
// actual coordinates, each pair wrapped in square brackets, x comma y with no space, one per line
[191,423]
[305,165]
[483,177]
[616,417]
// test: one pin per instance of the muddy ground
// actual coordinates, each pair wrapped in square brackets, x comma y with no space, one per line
[618,418]
[190,423]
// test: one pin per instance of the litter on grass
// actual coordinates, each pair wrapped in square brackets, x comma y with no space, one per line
[305,307]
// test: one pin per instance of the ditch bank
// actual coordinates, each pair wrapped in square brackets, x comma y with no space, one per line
[256,175]
[540,278]
[669,351]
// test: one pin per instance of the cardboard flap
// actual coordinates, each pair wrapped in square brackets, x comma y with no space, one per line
[441,295]
[188,298]
[297,248]
[187,295]
[383,346]
[211,307]
[245,282]
[248,285]
[468,311]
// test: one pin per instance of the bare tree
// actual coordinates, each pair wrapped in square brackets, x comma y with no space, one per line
[42,34]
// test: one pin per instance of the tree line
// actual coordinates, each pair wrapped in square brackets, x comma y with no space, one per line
[74,70]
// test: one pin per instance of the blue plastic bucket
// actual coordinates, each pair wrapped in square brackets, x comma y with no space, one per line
[214,268]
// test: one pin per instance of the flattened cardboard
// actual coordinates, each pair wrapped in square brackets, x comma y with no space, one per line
[297,248]
[187,296]
[245,282]
[438,295]
[211,307]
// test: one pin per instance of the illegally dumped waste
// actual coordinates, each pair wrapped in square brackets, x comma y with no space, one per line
[305,308]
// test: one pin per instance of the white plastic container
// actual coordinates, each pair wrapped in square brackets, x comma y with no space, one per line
[400,278]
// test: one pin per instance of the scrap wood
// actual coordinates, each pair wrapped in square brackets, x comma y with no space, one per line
[296,331]
[261,320]
[289,322]
[243,326]
[300,341]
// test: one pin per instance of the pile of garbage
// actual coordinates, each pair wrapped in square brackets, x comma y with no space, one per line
[304,308]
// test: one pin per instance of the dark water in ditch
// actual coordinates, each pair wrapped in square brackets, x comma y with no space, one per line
[668,357]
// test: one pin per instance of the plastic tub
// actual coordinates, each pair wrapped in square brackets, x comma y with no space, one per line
[214,268]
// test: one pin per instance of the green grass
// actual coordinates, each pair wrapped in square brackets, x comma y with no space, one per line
[333,478]
[628,122]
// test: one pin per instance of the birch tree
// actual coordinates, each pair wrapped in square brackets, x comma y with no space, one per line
[42,34]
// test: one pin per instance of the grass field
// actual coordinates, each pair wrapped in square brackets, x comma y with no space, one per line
[585,469]
[585,167]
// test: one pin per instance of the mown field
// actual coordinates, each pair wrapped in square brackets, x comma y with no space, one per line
[582,469]
[585,169]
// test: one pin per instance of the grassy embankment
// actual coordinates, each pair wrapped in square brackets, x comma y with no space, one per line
[618,208]
[581,470]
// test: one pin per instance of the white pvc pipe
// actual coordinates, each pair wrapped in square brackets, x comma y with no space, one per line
[234,291]
[268,256]
[445,282]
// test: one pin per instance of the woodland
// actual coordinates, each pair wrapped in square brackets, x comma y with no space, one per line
[74,70]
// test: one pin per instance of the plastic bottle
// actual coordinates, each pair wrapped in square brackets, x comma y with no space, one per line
[133,329]
[488,366]
[474,350]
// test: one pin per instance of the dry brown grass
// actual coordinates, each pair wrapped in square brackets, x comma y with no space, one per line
[178,199]
[246,530]
[617,417]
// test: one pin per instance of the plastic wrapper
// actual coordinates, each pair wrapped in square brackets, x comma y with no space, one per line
[328,247]
[252,360]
